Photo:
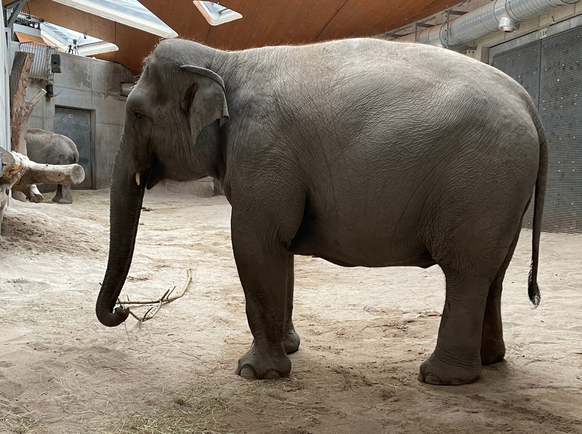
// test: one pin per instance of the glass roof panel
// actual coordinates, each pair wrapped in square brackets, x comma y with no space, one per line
[129,12]
[132,8]
[215,14]
[65,37]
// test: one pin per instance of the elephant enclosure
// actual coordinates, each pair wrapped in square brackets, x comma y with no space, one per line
[364,334]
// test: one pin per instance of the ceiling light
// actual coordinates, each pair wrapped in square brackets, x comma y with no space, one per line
[216,14]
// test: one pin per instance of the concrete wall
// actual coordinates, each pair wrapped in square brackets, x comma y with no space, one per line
[87,84]
[4,89]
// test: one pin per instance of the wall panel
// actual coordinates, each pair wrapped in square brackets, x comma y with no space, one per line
[550,70]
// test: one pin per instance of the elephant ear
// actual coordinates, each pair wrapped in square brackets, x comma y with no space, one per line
[204,100]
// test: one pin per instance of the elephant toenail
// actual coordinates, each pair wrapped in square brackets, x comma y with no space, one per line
[272,375]
[248,373]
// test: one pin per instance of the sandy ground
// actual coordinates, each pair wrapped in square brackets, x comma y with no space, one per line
[364,334]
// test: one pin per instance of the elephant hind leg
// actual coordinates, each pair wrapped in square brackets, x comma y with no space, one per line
[58,194]
[456,358]
[63,194]
[291,340]
[492,344]
[470,334]
[474,268]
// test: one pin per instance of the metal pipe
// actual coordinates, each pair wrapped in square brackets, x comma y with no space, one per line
[504,15]
[16,7]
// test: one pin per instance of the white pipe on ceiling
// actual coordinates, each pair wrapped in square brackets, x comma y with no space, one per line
[504,15]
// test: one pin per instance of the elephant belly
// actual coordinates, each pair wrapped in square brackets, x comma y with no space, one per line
[360,258]
[362,246]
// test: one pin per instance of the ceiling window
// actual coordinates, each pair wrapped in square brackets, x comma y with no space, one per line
[216,14]
[129,12]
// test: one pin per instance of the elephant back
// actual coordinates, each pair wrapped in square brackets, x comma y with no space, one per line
[50,148]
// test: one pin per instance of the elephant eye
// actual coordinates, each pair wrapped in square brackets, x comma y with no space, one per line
[138,115]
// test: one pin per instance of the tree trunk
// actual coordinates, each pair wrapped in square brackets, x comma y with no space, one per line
[20,111]
[18,106]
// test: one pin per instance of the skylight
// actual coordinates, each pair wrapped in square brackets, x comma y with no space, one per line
[216,14]
[73,42]
[128,12]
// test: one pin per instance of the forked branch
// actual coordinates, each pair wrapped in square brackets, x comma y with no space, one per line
[163,300]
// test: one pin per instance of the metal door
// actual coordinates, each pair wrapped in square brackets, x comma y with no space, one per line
[76,124]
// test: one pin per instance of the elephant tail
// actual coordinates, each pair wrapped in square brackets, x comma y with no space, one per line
[539,198]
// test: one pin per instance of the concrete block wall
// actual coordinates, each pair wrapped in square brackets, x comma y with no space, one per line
[87,84]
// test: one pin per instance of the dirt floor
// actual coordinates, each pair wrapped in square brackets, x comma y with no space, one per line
[364,334]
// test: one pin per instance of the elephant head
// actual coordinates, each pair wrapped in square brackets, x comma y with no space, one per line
[170,133]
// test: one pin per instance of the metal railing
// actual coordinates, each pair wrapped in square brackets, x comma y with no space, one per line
[41,65]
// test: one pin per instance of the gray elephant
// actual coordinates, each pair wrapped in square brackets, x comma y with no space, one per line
[51,148]
[362,152]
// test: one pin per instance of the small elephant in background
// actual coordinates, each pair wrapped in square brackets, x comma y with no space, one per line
[52,148]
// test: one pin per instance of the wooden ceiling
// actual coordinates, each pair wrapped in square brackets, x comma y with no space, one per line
[264,22]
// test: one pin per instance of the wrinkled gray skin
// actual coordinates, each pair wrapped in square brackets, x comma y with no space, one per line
[362,152]
[51,148]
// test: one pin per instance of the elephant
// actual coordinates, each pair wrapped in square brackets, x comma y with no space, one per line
[51,148]
[362,152]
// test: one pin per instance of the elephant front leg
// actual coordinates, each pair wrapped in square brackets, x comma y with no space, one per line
[263,272]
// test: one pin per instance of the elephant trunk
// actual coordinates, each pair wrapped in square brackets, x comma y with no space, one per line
[125,209]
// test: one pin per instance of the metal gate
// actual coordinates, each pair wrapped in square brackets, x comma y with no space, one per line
[76,125]
[41,64]
[550,70]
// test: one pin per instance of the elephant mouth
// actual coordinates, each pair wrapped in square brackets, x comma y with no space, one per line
[149,176]
[154,177]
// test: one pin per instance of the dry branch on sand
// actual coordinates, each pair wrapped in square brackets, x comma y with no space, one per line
[163,300]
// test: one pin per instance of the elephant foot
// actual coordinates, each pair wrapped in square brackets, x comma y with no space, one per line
[492,352]
[18,195]
[37,198]
[291,341]
[254,365]
[63,200]
[63,195]
[435,371]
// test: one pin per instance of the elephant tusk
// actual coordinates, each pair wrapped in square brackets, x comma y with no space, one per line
[137,178]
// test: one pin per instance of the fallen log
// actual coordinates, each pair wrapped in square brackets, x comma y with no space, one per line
[18,173]
[36,173]
[18,169]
